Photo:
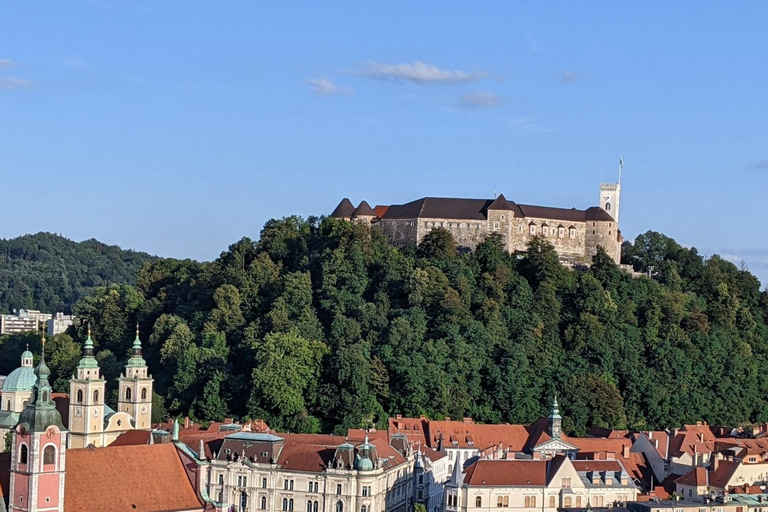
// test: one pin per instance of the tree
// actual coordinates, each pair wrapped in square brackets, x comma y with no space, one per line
[438,244]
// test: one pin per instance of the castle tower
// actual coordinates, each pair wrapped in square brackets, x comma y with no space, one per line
[555,421]
[135,388]
[38,459]
[86,401]
[610,196]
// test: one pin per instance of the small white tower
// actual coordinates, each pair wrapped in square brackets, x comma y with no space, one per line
[86,401]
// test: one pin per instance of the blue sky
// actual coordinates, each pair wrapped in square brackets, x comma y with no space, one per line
[179,127]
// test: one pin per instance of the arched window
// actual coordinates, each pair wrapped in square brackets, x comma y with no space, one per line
[339,506]
[243,502]
[290,505]
[607,207]
[263,503]
[8,405]
[49,455]
[45,393]
[363,509]
[23,454]
[314,506]
[95,396]
[309,506]
[478,502]
[79,396]
[127,393]
[285,503]
[143,393]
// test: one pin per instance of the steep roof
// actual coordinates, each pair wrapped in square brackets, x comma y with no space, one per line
[343,210]
[723,474]
[501,203]
[467,434]
[380,210]
[115,479]
[597,213]
[364,210]
[506,473]
[132,437]
[696,477]
[415,429]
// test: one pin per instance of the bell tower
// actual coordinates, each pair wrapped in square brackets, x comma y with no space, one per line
[135,388]
[555,421]
[38,458]
[86,401]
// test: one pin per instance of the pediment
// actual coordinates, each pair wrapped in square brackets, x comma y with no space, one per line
[555,445]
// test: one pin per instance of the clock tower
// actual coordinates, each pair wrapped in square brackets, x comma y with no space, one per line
[135,388]
[555,421]
[86,401]
[38,457]
[610,194]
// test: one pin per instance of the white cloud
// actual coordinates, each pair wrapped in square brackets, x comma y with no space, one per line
[7,63]
[417,72]
[10,82]
[324,87]
[480,99]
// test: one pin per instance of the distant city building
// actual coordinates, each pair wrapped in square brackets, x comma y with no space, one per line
[574,233]
[59,323]
[23,320]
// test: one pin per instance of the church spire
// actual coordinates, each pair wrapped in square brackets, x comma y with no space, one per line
[137,359]
[41,412]
[88,361]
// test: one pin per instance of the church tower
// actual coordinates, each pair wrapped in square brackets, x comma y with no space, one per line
[38,458]
[86,401]
[555,421]
[135,388]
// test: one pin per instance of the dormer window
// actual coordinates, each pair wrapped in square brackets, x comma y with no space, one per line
[532,229]
[572,232]
[561,232]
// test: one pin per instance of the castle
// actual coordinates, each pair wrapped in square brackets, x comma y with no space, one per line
[574,233]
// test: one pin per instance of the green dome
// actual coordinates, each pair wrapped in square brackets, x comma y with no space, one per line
[363,464]
[26,354]
[20,379]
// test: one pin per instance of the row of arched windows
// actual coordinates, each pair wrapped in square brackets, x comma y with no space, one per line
[80,396]
[129,393]
[49,455]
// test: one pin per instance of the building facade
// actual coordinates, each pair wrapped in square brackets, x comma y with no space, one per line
[23,320]
[574,233]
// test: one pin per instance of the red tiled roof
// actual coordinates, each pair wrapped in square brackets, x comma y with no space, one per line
[504,472]
[696,477]
[460,434]
[380,210]
[596,465]
[132,437]
[722,475]
[415,429]
[115,479]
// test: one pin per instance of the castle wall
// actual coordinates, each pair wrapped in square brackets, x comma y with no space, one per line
[605,234]
[400,232]
[566,243]
[466,233]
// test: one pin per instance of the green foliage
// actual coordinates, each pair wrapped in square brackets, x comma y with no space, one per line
[322,326]
[50,273]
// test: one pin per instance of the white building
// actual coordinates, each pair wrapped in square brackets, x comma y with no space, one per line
[59,323]
[23,320]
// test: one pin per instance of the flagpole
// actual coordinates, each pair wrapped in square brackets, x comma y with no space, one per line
[621,167]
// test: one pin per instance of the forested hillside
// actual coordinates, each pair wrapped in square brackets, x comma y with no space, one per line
[321,325]
[50,273]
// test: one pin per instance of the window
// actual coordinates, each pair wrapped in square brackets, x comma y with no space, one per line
[339,506]
[288,485]
[221,479]
[127,393]
[495,225]
[530,501]
[49,456]
[314,506]
[263,483]
[561,232]
[309,506]
[285,503]
[263,502]
[338,490]
[532,228]
[545,231]
[551,502]
[502,501]
[598,501]
[79,396]
[143,393]
[567,502]
[502,217]
[366,490]
[572,233]
[23,454]
[8,405]
[95,396]
[243,502]
[520,229]
[242,481]
[363,509]
[565,483]
[607,207]
[578,501]
[290,505]
[478,501]
[593,231]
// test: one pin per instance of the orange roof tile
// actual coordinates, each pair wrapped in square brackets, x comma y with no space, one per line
[696,477]
[114,479]
[132,437]
[507,472]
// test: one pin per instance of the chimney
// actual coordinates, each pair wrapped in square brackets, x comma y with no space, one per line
[625,451]
[399,416]
[650,434]
[467,420]
[610,456]
[186,421]
[701,437]
[656,443]
[229,421]
[422,416]
[447,418]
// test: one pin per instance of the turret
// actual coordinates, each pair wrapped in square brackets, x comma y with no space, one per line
[555,421]
[135,388]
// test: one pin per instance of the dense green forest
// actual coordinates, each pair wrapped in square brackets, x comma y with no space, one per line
[321,325]
[50,273]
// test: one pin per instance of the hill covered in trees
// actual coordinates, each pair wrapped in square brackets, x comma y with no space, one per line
[50,273]
[321,325]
